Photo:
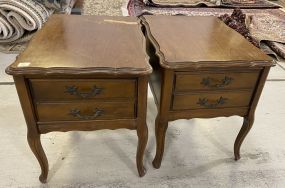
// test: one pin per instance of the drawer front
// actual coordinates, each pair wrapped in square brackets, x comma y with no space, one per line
[57,89]
[213,100]
[210,81]
[84,111]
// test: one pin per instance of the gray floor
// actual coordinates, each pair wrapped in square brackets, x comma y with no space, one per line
[199,152]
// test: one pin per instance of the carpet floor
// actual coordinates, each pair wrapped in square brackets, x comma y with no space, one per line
[103,7]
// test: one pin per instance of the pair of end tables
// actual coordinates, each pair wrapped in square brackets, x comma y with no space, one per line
[85,73]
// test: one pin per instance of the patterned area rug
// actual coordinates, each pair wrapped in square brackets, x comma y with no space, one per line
[183,3]
[137,8]
[277,47]
[265,24]
[248,4]
[213,3]
[280,2]
[268,26]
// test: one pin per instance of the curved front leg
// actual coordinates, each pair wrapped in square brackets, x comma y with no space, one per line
[160,131]
[247,124]
[142,133]
[36,147]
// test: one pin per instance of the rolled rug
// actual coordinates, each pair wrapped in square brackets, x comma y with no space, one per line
[20,19]
[51,4]
[59,6]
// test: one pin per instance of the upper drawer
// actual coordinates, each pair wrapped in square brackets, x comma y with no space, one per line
[213,81]
[64,89]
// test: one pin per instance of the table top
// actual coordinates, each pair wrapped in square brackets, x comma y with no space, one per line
[205,41]
[84,45]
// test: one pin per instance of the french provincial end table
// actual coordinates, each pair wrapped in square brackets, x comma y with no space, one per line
[83,73]
[202,69]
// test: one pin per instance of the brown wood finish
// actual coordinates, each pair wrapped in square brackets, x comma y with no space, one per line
[67,45]
[142,130]
[249,118]
[207,113]
[211,100]
[196,61]
[90,125]
[85,110]
[66,89]
[221,80]
[208,45]
[33,135]
[70,79]
[161,121]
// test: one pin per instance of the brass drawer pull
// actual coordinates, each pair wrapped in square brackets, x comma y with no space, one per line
[73,90]
[76,113]
[205,103]
[224,82]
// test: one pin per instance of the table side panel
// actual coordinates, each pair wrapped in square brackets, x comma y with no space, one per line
[155,85]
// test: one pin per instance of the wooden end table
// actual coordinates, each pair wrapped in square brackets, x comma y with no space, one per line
[202,69]
[82,73]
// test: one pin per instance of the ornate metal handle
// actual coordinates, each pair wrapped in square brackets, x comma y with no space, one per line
[76,113]
[205,103]
[224,82]
[73,90]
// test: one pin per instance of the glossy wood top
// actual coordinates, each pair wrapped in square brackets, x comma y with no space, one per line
[83,45]
[183,42]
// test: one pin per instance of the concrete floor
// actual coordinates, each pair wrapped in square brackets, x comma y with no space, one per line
[198,152]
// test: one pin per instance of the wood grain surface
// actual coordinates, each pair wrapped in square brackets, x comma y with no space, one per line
[183,41]
[83,45]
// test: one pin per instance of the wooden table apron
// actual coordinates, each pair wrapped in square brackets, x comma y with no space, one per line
[181,92]
[36,128]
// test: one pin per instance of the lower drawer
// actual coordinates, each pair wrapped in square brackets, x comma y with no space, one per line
[84,111]
[211,100]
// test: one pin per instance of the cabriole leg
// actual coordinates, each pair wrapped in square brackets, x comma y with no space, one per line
[247,124]
[36,147]
[160,131]
[142,142]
